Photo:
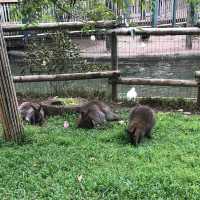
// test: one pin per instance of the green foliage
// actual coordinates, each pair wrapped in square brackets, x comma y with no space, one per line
[195,2]
[58,163]
[100,12]
[56,54]
[123,3]
[33,11]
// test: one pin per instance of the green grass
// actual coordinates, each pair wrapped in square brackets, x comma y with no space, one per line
[50,162]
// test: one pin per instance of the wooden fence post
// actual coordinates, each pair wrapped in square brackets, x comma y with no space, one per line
[197,76]
[114,63]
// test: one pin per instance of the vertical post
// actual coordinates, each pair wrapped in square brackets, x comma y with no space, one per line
[154,13]
[114,63]
[26,33]
[197,77]
[174,13]
[108,43]
[190,22]
[9,115]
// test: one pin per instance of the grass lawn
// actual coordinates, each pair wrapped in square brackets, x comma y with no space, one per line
[58,163]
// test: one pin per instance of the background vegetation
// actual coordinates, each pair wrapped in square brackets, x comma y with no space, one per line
[56,54]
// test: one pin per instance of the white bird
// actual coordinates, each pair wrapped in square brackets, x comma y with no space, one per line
[131,94]
[92,37]
[126,23]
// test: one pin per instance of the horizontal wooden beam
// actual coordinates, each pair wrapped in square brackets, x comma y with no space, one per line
[79,33]
[158,82]
[58,25]
[66,77]
[156,31]
[8,1]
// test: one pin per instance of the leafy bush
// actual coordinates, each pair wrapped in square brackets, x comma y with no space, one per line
[57,54]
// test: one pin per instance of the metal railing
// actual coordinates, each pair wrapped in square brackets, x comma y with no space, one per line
[134,14]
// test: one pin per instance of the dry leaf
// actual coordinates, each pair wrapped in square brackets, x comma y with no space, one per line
[80,178]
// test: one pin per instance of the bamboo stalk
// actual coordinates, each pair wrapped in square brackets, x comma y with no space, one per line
[13,129]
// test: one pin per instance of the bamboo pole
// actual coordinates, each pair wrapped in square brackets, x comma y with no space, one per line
[12,125]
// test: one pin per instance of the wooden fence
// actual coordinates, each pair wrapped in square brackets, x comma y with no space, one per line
[141,81]
[114,75]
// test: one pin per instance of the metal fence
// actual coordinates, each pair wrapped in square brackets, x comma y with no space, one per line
[136,13]
[164,57]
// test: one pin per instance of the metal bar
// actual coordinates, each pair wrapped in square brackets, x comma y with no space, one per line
[174,13]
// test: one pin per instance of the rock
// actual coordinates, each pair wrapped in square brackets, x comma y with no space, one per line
[16,53]
[121,122]
[187,113]
[180,110]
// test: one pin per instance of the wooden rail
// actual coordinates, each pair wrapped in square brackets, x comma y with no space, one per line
[156,31]
[65,77]
[114,80]
[102,25]
[57,26]
[158,82]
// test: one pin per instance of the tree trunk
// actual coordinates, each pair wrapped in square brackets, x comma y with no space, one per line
[9,115]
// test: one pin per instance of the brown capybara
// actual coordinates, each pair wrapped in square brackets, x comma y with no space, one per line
[141,122]
[32,113]
[95,113]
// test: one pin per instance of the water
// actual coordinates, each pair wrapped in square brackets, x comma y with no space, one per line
[168,69]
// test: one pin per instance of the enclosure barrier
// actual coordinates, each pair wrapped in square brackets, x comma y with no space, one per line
[58,26]
[66,77]
[158,82]
[197,76]
[141,81]
[114,79]
[156,31]
[113,75]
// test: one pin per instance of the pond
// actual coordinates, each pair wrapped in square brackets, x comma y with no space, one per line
[166,69]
